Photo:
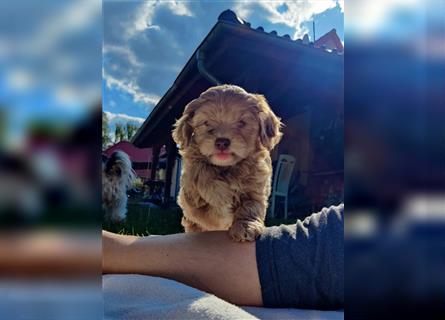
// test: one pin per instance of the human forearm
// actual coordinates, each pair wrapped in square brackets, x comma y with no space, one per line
[113,250]
[209,261]
[144,255]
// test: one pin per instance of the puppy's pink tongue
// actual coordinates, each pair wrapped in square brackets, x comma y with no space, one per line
[222,155]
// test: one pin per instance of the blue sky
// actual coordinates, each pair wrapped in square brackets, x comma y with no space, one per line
[55,54]
[146,44]
[50,62]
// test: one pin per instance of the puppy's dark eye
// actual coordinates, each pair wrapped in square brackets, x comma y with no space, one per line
[211,131]
[206,123]
[241,124]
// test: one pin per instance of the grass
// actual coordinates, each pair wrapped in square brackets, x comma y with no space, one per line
[142,221]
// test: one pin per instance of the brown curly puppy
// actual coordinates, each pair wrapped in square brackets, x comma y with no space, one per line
[225,137]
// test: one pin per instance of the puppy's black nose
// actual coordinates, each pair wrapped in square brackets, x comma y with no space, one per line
[222,143]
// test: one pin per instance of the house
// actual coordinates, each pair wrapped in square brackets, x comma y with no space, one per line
[141,158]
[303,84]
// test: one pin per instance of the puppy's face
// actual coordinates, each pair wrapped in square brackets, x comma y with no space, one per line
[227,124]
[114,165]
[117,169]
[225,131]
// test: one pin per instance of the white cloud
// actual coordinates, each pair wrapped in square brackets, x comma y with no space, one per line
[297,11]
[132,89]
[19,79]
[121,117]
[146,11]
[341,3]
[154,27]
[67,96]
[179,8]
[142,20]
[123,51]
[243,9]
[74,17]
[369,18]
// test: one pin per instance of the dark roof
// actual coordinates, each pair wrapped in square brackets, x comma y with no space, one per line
[230,16]
[284,70]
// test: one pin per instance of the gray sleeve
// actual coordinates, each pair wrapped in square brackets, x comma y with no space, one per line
[301,265]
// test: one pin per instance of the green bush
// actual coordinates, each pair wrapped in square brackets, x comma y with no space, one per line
[138,184]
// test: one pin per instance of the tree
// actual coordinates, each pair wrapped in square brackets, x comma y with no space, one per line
[106,139]
[119,133]
[131,130]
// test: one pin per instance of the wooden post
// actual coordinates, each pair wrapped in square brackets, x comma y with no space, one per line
[154,163]
[171,158]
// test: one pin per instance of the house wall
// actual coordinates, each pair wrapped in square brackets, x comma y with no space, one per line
[296,142]
[317,180]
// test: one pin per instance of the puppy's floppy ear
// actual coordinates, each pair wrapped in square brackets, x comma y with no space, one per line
[270,124]
[183,131]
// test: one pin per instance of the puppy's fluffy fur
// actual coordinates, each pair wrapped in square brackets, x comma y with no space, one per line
[117,178]
[227,189]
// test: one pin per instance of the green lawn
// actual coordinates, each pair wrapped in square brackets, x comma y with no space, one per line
[143,220]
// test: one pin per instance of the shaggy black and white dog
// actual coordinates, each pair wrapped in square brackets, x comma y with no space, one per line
[117,179]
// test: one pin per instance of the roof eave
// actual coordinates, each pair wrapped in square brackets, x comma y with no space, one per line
[138,137]
[144,131]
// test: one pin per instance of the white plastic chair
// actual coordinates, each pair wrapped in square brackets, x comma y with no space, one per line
[281,180]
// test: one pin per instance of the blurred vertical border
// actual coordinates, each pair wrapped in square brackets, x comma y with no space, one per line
[395,159]
[50,142]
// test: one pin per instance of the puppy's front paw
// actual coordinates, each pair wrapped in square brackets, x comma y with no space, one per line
[190,226]
[245,230]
